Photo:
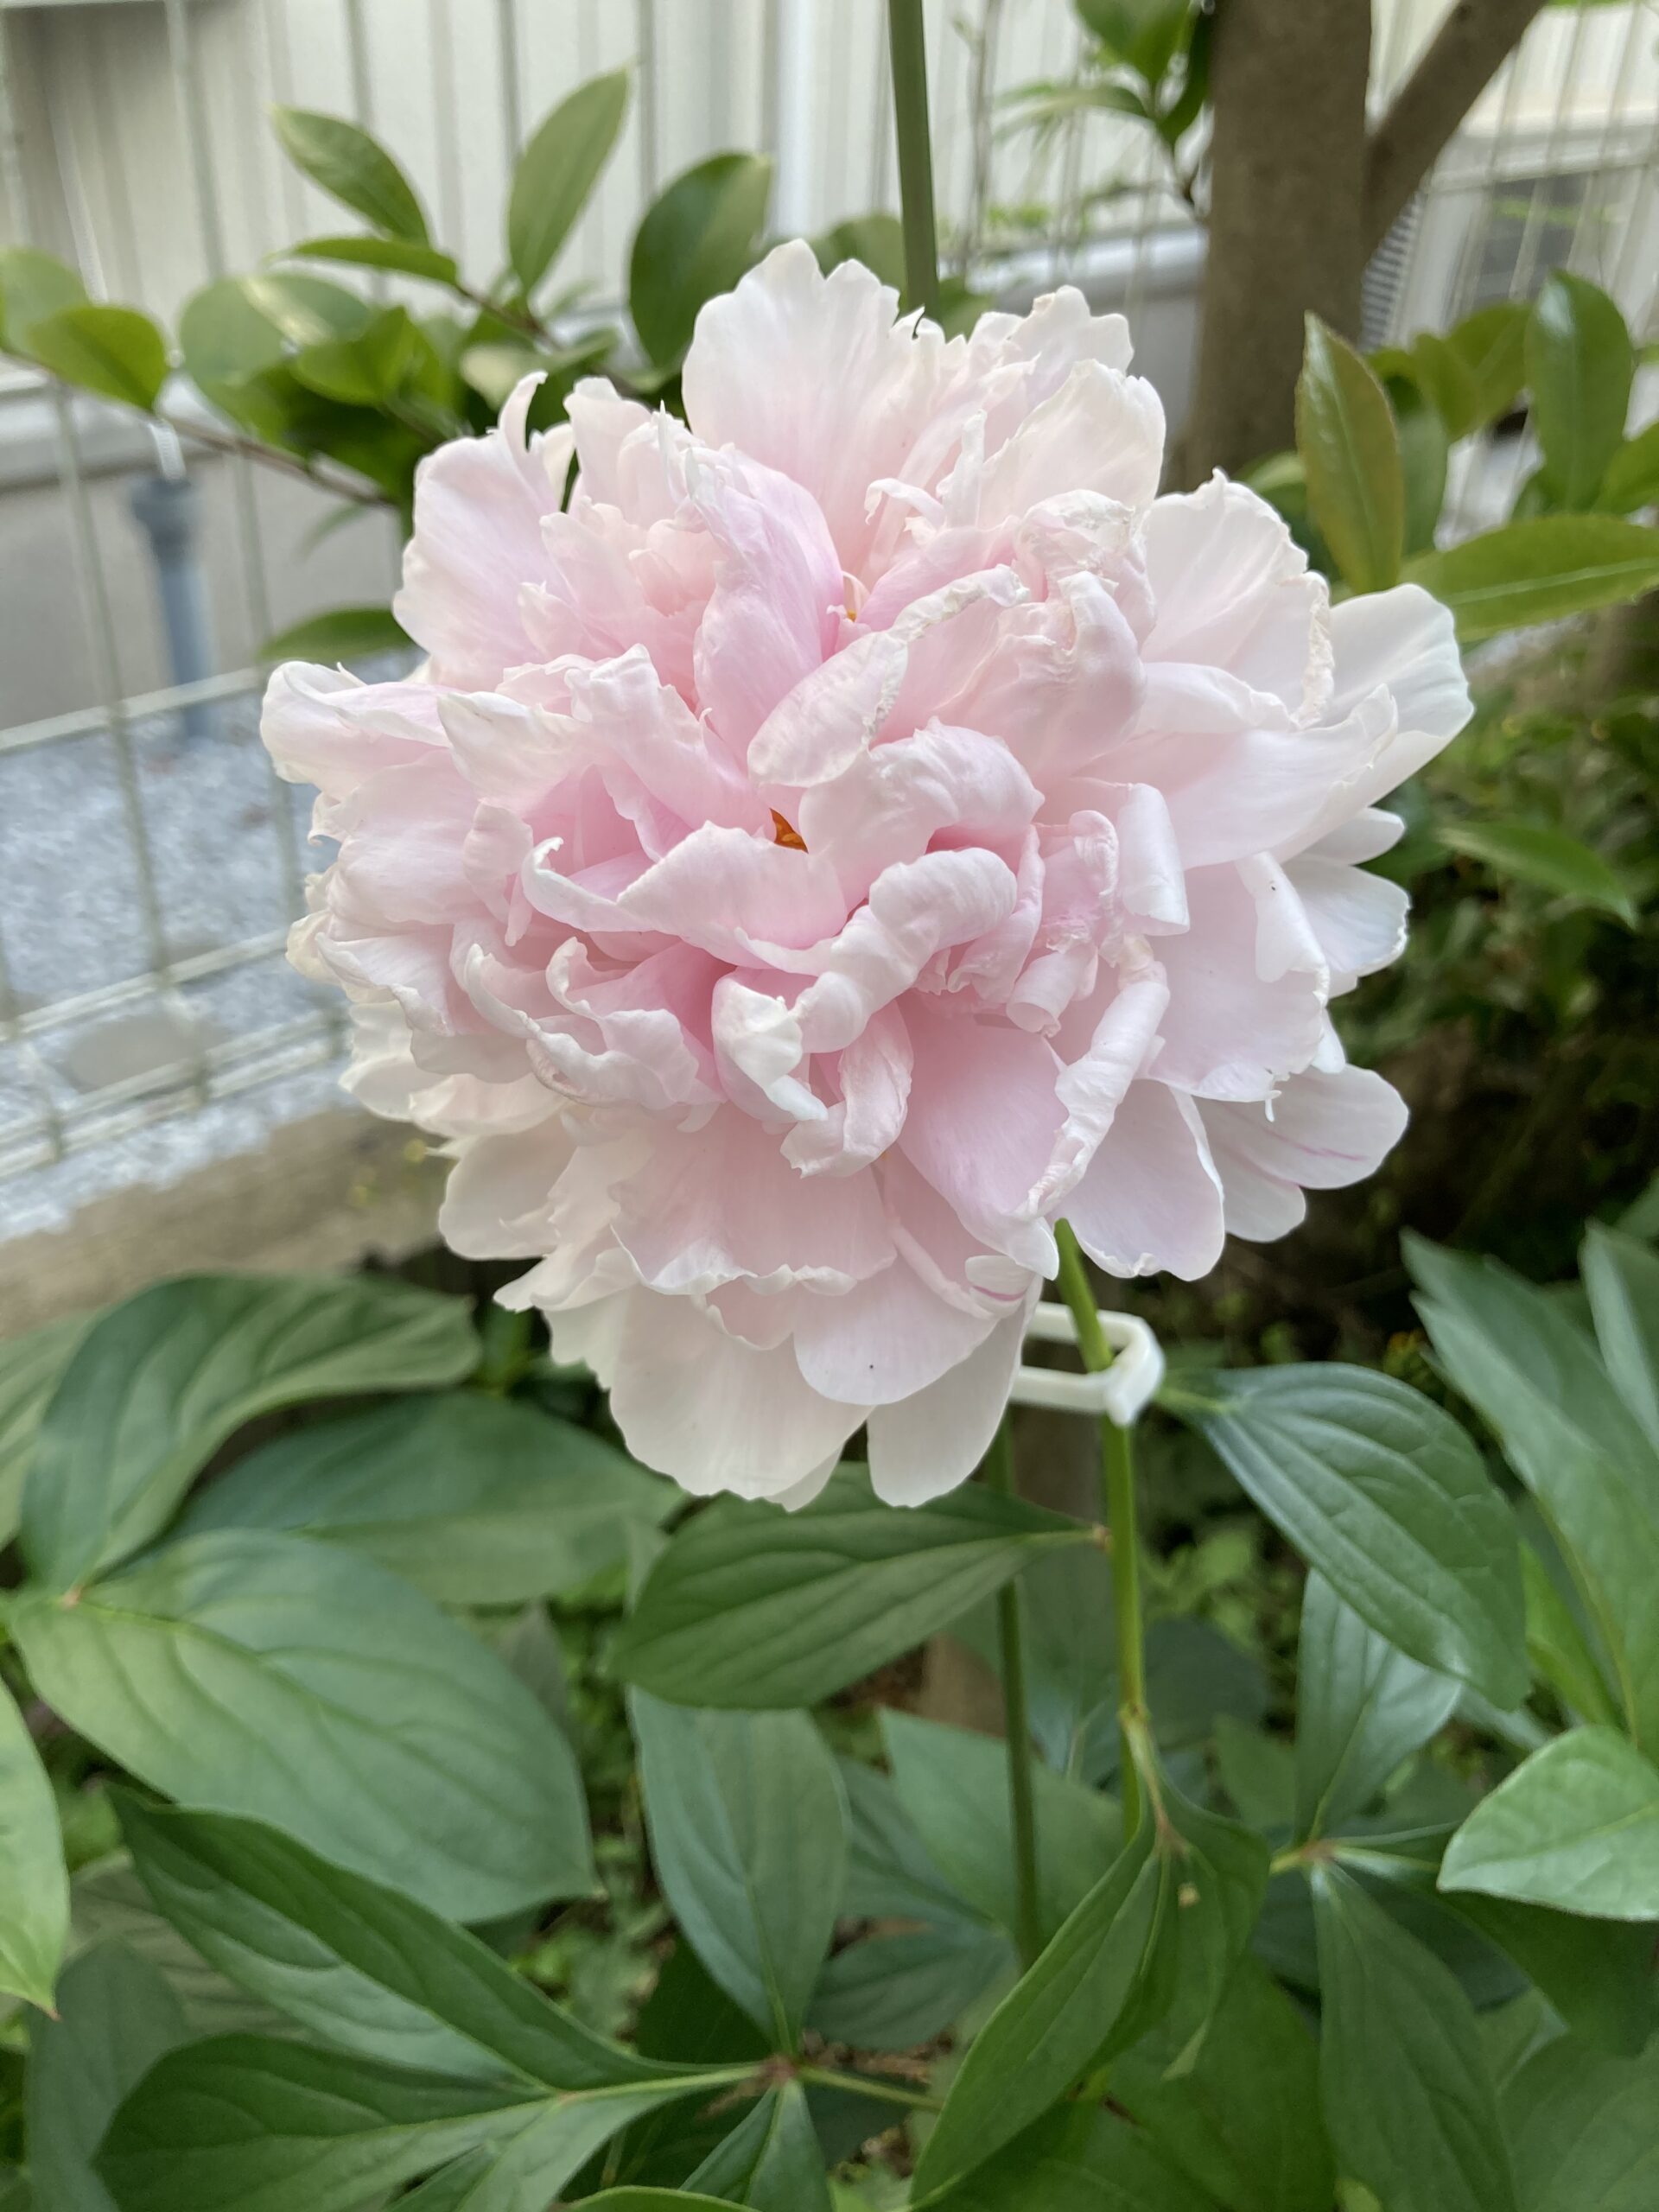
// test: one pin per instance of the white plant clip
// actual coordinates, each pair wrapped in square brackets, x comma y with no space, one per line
[1119,1393]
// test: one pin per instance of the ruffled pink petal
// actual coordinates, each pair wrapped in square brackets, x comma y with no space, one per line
[927,1444]
[1150,1200]
[1322,1131]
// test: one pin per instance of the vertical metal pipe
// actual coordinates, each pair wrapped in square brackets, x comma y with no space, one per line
[794,104]
[650,110]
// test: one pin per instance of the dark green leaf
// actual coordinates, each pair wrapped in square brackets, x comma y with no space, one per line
[1632,477]
[1078,2160]
[400,255]
[1147,35]
[1548,858]
[32,286]
[652,2200]
[30,1368]
[1557,1649]
[1576,1826]
[1363,1707]
[159,1383]
[1407,2098]
[1449,380]
[117,2018]
[1351,451]
[1220,1879]
[455,2187]
[343,633]
[1579,364]
[1540,571]
[558,169]
[1385,1495]
[770,2161]
[352,167]
[1491,345]
[476,1500]
[748,1833]
[1598,1974]
[1070,1657]
[114,351]
[107,1901]
[876,240]
[696,240]
[889,1874]
[34,1893]
[1585,2129]
[1258,1772]
[1047,2032]
[894,1992]
[1621,1275]
[753,1606]
[1423,454]
[285,1681]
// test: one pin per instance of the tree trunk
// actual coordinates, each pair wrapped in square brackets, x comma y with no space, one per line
[1287,193]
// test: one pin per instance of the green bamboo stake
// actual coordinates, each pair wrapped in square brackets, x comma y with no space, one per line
[907,44]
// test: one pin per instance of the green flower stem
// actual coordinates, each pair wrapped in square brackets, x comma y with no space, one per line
[1117,1491]
[998,1474]
[908,46]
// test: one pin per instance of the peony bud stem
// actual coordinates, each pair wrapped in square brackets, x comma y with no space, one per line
[999,1475]
[907,44]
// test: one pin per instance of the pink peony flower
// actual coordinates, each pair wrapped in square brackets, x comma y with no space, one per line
[844,836]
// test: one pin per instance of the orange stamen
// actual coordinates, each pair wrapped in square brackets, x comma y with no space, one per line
[786,833]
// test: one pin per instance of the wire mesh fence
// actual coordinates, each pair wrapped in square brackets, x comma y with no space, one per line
[150,861]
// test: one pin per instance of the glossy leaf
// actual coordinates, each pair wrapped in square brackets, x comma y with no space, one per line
[748,1834]
[160,1381]
[476,1500]
[558,169]
[1540,571]
[1491,345]
[1547,858]
[34,1893]
[1045,2033]
[115,351]
[1407,2098]
[401,255]
[1579,365]
[307,310]
[1621,1276]
[753,1606]
[352,167]
[287,1681]
[1362,1708]
[30,1368]
[1632,477]
[1346,436]
[1078,2160]
[1385,1495]
[1576,1826]
[697,239]
[344,634]
[1585,2129]
[33,285]
[770,2161]
[1448,379]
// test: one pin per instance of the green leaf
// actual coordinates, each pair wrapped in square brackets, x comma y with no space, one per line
[352,167]
[952,1783]
[1621,1275]
[695,240]
[894,1992]
[287,1681]
[1147,35]
[1385,1495]
[1556,1646]
[889,1874]
[1540,571]
[107,1901]
[1447,380]
[1598,1974]
[33,285]
[476,1500]
[1534,1376]
[1579,364]
[753,1606]
[1632,477]
[1078,2160]
[1047,2032]
[308,310]
[1548,858]
[1071,1657]
[1363,1708]
[355,1963]
[748,1833]
[1407,2098]
[1424,451]
[366,369]
[1220,1873]
[1576,1826]
[558,169]
[30,1368]
[770,2161]
[114,351]
[1258,1772]
[652,2200]
[401,256]
[225,338]
[877,240]
[117,2018]
[160,1381]
[1351,451]
[1490,344]
[1585,2130]
[343,633]
[244,2124]
[35,1895]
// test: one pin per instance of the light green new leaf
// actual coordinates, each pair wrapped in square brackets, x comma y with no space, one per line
[352,167]
[1078,2160]
[1579,365]
[770,2161]
[1350,447]
[344,634]
[748,1833]
[358,1964]
[30,1368]
[1548,858]
[1576,1826]
[1362,1708]
[401,255]
[161,1380]
[1632,477]
[476,1500]
[117,2018]
[752,1606]
[696,239]
[1387,1496]
[32,286]
[34,1890]
[1585,2129]
[114,351]
[1540,570]
[1621,1275]
[557,170]
[290,1682]
[1047,2032]
[1408,2101]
